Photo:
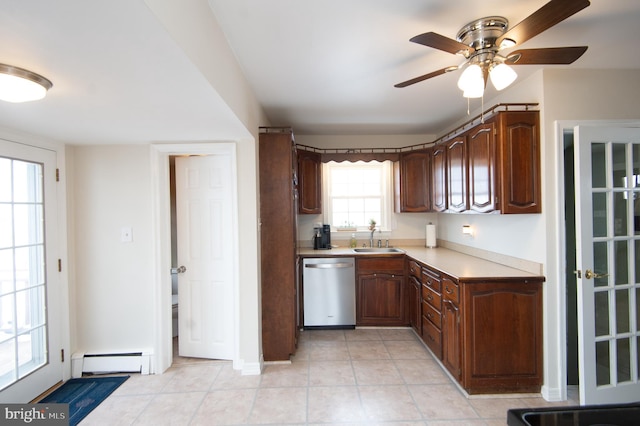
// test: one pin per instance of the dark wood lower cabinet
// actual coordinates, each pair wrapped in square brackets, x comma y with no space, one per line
[413,307]
[502,324]
[380,291]
[451,339]
[486,331]
[380,300]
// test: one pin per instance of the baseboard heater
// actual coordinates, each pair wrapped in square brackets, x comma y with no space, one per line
[106,363]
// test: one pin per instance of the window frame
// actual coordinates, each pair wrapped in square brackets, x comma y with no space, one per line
[386,193]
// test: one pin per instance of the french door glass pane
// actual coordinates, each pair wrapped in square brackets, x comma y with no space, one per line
[622,310]
[601,299]
[622,262]
[624,361]
[600,257]
[598,165]
[619,165]
[603,375]
[600,215]
[620,213]
[23,333]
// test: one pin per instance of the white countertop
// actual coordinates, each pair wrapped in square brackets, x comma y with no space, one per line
[453,263]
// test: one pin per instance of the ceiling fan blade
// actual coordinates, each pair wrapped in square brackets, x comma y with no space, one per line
[544,18]
[549,55]
[426,77]
[441,42]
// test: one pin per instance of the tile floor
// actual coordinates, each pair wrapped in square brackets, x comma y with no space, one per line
[337,377]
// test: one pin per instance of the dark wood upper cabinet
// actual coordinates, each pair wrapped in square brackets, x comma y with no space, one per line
[438,179]
[412,178]
[309,182]
[481,148]
[456,157]
[518,137]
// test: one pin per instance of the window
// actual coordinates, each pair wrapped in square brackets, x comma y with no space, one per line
[23,333]
[356,193]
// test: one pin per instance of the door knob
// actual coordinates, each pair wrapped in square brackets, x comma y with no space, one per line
[589,274]
[179,270]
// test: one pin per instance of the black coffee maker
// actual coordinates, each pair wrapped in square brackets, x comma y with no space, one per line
[322,237]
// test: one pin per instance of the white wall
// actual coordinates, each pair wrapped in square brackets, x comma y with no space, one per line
[113,280]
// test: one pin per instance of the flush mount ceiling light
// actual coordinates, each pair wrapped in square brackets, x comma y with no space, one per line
[480,41]
[20,85]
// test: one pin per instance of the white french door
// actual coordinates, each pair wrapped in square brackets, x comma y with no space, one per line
[607,173]
[205,240]
[30,327]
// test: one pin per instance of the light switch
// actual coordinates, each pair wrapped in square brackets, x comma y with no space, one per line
[126,234]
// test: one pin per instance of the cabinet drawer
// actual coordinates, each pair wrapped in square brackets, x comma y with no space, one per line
[431,297]
[450,290]
[432,337]
[431,279]
[380,265]
[414,269]
[432,314]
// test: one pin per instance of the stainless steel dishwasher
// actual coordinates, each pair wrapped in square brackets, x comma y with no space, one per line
[329,289]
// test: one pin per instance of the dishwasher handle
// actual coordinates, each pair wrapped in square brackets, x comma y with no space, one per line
[329,265]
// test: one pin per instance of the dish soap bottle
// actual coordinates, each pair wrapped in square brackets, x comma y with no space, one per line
[353,243]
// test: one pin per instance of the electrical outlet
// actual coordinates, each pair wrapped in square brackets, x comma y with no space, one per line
[126,234]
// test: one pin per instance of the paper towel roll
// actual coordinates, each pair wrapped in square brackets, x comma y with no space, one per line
[431,236]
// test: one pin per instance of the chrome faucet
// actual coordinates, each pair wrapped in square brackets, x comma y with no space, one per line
[371,237]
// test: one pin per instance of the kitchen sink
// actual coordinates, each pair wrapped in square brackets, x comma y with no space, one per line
[378,250]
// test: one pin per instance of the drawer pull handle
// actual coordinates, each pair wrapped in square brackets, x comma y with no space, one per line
[429,315]
[429,298]
[448,290]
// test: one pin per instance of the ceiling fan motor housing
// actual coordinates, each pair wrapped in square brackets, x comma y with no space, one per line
[482,34]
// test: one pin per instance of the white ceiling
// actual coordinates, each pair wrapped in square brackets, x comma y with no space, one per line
[322,67]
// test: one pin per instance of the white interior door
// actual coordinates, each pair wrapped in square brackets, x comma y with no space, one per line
[30,319]
[607,177]
[204,209]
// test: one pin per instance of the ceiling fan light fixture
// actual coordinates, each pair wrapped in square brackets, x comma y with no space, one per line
[20,85]
[502,75]
[470,77]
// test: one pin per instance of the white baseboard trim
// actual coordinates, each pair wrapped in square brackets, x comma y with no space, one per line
[103,363]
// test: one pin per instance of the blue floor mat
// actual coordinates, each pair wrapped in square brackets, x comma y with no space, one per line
[83,395]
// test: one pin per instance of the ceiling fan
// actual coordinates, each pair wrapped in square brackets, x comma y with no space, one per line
[481,40]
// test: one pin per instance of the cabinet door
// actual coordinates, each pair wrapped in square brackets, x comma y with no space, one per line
[481,148]
[309,183]
[438,179]
[380,300]
[519,151]
[414,308]
[451,341]
[415,194]
[457,200]
[498,316]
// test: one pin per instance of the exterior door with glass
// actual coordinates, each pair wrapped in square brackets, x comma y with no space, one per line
[607,172]
[30,325]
